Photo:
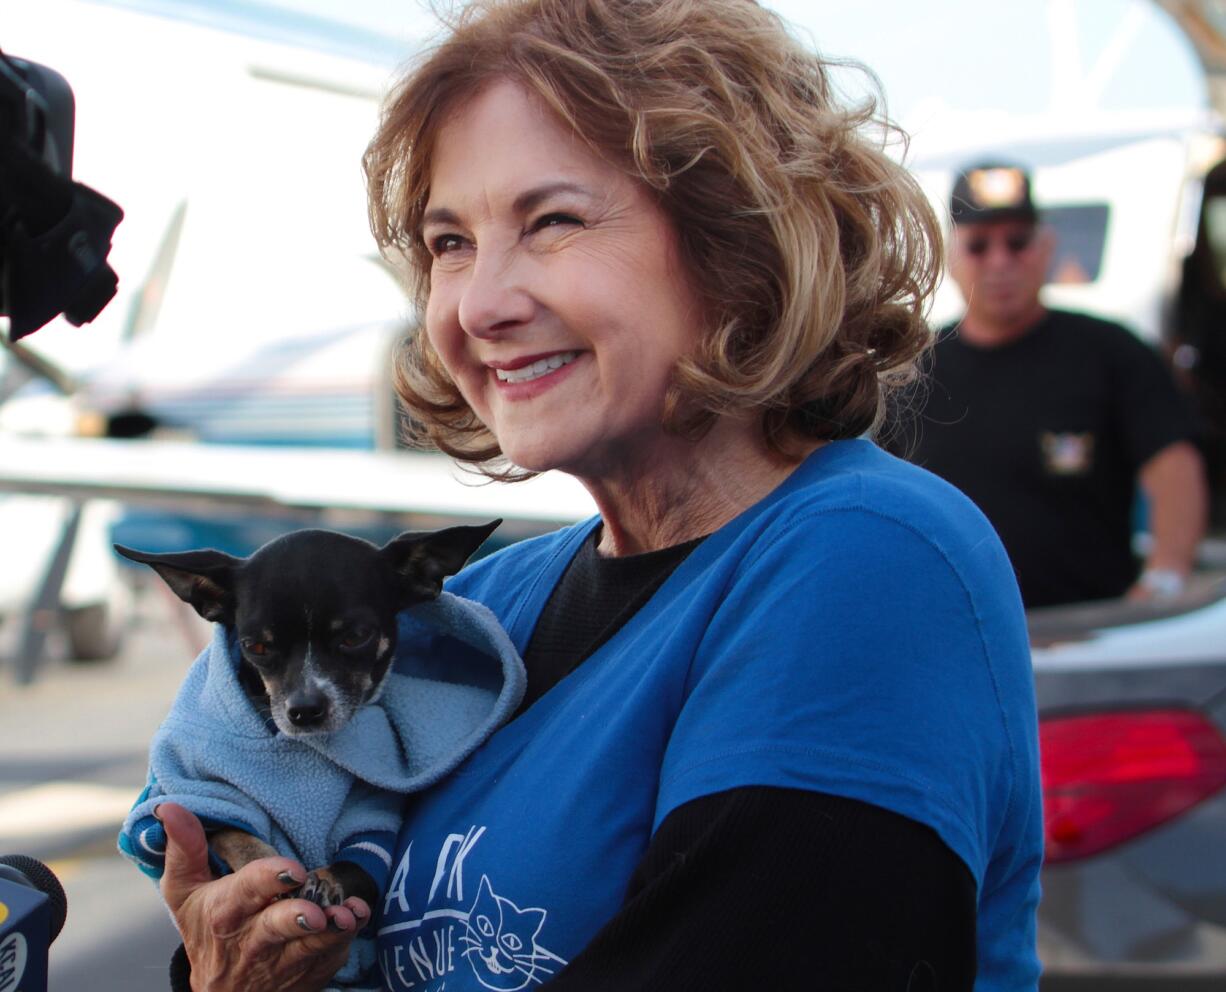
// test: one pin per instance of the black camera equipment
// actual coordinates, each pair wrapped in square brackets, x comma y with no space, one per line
[55,233]
[33,908]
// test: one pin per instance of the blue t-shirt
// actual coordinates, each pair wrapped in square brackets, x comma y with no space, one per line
[857,632]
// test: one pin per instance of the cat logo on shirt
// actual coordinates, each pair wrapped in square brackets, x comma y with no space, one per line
[500,942]
[1068,453]
[499,939]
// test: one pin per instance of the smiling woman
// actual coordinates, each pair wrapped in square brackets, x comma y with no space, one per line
[557,302]
[780,671]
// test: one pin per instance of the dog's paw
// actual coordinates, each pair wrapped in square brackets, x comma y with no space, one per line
[322,888]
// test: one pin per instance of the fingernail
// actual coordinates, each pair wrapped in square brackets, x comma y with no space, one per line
[157,815]
[335,927]
[361,912]
[302,922]
[285,878]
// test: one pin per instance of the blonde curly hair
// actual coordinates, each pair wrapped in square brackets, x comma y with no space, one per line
[813,253]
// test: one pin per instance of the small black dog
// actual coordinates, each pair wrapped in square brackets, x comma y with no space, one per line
[315,616]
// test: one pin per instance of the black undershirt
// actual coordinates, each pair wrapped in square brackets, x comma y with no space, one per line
[756,887]
[592,602]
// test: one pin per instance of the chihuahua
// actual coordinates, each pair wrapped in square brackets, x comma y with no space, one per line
[314,613]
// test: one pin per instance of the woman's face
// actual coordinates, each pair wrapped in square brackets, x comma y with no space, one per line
[557,302]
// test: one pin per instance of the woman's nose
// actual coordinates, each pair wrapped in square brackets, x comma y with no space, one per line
[494,299]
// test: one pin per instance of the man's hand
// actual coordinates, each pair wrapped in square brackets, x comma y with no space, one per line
[1173,481]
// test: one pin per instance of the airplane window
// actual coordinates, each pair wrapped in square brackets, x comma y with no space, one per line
[1081,236]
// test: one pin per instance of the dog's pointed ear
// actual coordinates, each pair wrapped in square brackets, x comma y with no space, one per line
[424,559]
[202,579]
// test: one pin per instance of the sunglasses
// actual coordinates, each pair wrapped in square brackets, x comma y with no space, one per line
[1015,243]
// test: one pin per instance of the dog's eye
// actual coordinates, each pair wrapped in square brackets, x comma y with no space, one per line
[357,637]
[253,647]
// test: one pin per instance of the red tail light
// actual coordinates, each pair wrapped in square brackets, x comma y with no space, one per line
[1108,777]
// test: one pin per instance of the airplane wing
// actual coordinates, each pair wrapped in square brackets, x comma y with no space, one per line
[417,490]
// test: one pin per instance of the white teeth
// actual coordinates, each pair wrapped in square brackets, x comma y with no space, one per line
[536,369]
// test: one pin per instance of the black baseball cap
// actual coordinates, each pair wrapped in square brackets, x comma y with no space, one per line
[991,191]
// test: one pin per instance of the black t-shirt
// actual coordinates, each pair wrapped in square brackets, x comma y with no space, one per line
[1046,435]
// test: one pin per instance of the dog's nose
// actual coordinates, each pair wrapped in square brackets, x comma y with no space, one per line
[306,709]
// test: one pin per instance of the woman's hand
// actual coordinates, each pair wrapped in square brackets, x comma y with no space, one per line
[239,934]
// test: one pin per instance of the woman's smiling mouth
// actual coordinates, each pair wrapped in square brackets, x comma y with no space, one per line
[536,369]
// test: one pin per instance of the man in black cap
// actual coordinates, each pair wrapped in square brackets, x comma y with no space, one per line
[1050,420]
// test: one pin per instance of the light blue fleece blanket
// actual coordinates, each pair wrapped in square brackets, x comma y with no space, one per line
[455,679]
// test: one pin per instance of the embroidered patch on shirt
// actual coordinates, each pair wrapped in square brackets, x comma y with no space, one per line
[1068,453]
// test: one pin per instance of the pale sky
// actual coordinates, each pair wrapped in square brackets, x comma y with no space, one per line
[1122,53]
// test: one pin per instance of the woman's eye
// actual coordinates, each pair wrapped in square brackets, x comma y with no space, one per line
[556,220]
[443,244]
